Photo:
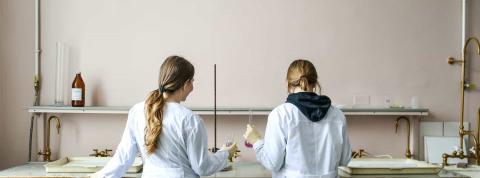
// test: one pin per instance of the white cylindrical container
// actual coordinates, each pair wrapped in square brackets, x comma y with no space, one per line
[60,74]
[414,102]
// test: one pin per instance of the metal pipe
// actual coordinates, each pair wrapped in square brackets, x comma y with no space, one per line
[215,108]
[32,120]
[464,22]
[477,145]
[37,38]
[462,103]
[462,37]
[36,77]
[462,84]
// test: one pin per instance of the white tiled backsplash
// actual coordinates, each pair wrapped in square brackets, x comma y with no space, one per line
[440,129]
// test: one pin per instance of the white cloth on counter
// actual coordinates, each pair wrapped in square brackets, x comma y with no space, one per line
[296,147]
[182,150]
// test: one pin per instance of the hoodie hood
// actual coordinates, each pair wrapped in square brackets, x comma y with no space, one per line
[314,106]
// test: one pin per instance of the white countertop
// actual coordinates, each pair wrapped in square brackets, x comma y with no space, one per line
[240,169]
[471,170]
[36,169]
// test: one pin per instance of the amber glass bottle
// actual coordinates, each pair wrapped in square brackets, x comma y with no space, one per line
[78,91]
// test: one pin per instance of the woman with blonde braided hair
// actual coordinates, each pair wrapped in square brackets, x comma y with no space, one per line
[170,138]
[305,136]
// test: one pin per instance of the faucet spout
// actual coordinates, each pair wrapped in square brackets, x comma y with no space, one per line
[474,39]
[58,123]
[46,153]
[408,153]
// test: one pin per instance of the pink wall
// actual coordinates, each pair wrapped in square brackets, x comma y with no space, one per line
[360,48]
[16,76]
[2,84]
[351,51]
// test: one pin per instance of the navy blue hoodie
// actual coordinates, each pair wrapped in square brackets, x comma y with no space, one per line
[313,106]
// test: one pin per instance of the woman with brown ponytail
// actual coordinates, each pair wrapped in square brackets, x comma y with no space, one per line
[170,138]
[306,136]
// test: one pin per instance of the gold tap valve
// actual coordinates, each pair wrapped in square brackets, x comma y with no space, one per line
[46,154]
[108,153]
[452,60]
[469,86]
[105,153]
[359,154]
[95,153]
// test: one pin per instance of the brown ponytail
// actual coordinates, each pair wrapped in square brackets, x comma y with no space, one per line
[174,72]
[301,73]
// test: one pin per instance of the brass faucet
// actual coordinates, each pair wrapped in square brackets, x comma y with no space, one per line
[476,148]
[105,153]
[464,85]
[408,154]
[359,154]
[46,153]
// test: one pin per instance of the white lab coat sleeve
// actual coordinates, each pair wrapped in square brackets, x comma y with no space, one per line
[346,154]
[201,161]
[125,153]
[270,151]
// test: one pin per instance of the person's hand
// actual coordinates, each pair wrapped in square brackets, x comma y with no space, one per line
[251,134]
[232,149]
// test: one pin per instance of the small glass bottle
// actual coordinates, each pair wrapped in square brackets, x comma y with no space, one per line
[78,91]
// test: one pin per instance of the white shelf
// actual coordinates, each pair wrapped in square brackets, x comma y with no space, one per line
[124,110]
[225,111]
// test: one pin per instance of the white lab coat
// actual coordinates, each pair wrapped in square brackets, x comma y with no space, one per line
[296,147]
[182,149]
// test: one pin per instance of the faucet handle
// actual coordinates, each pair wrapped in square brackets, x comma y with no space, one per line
[469,86]
[108,152]
[452,60]
[359,154]
[473,150]
[362,153]
[95,153]
[408,154]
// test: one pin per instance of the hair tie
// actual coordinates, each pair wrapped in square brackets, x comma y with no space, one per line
[161,89]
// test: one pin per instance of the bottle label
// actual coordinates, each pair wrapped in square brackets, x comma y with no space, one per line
[76,94]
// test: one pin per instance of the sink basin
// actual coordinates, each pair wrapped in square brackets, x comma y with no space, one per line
[471,170]
[85,165]
[475,168]
[389,166]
